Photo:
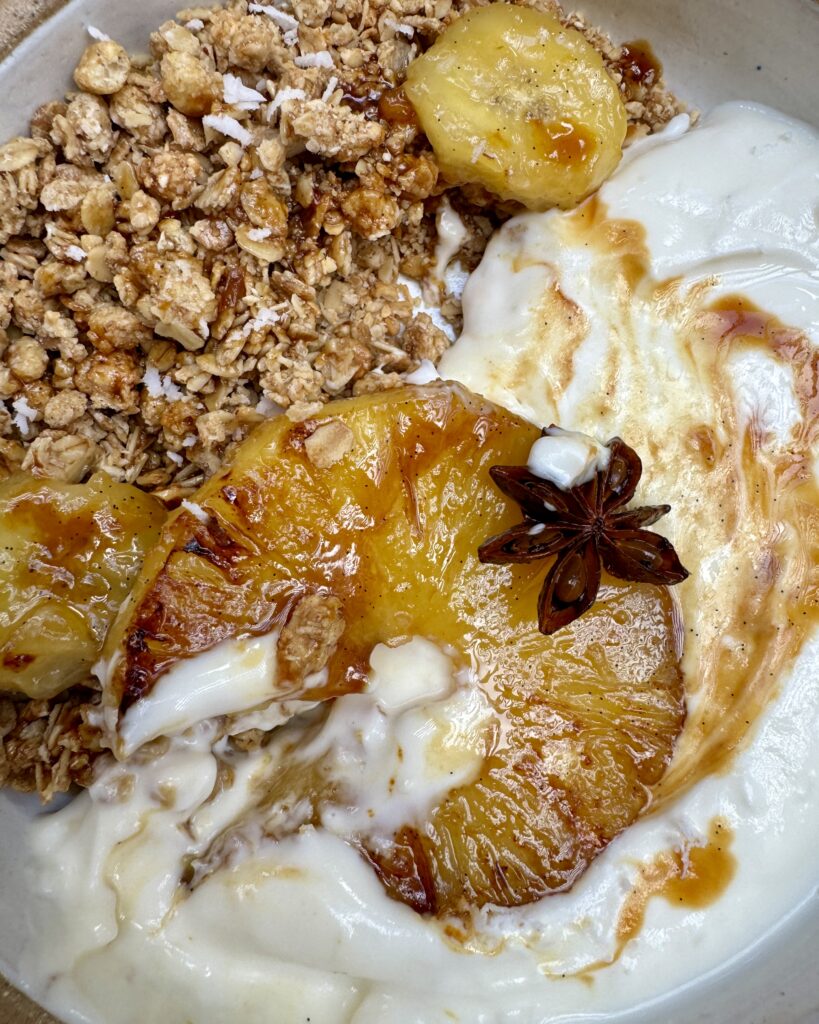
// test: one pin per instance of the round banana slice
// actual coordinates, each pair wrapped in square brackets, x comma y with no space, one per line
[514,101]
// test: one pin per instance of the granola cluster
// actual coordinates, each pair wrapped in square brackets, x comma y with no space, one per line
[198,238]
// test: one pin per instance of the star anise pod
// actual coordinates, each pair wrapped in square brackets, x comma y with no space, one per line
[586,527]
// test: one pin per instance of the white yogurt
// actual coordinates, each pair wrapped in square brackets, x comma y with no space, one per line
[567,458]
[301,929]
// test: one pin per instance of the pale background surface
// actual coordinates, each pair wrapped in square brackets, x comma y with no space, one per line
[712,50]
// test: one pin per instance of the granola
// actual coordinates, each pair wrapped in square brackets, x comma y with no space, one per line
[197,239]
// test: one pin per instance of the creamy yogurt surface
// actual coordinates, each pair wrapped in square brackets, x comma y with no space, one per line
[598,320]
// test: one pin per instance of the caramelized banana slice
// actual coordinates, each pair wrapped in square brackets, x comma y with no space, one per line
[512,100]
[70,553]
[379,506]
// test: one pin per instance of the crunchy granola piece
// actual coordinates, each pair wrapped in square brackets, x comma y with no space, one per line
[172,36]
[371,213]
[143,212]
[251,42]
[97,210]
[214,235]
[263,207]
[109,380]
[182,295]
[133,111]
[423,340]
[85,131]
[12,211]
[188,134]
[48,746]
[103,68]
[26,359]
[220,191]
[376,381]
[190,87]
[289,383]
[59,332]
[174,177]
[329,443]
[258,244]
[110,327]
[61,456]
[343,360]
[336,132]
[55,278]
[19,153]
[310,636]
[64,408]
[28,308]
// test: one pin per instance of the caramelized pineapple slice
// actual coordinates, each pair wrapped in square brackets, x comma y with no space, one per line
[512,100]
[69,555]
[380,504]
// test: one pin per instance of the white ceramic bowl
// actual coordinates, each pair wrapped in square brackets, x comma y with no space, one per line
[712,50]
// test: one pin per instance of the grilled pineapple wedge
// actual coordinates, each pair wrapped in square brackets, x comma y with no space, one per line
[380,504]
[69,555]
[512,100]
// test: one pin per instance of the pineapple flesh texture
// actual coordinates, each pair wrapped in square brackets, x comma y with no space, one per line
[590,715]
[70,553]
[512,100]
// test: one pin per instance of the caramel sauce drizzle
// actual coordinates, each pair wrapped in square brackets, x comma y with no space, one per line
[692,877]
[732,488]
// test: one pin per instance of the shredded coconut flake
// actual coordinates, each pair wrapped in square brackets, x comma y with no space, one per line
[189,441]
[478,151]
[74,252]
[256,173]
[405,30]
[320,59]
[175,456]
[95,33]
[194,25]
[229,126]
[283,95]
[158,386]
[237,94]
[264,318]
[291,37]
[195,510]
[286,22]
[24,414]
[331,88]
[258,234]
